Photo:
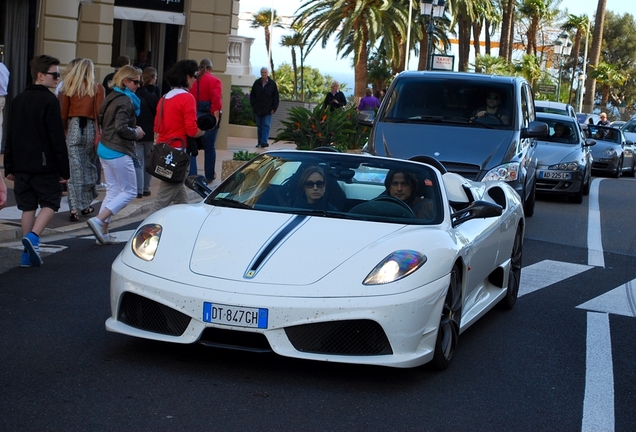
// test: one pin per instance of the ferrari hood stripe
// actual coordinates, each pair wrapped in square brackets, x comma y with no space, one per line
[293,224]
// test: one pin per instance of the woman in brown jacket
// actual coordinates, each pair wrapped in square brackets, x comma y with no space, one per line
[80,97]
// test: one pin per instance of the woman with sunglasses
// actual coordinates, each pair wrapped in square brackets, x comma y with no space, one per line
[492,109]
[116,150]
[311,191]
[80,96]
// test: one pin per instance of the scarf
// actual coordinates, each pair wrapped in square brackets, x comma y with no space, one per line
[133,97]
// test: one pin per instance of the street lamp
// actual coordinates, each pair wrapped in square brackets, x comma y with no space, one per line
[433,9]
[579,100]
[562,47]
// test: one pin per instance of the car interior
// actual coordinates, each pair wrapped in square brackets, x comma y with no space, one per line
[352,187]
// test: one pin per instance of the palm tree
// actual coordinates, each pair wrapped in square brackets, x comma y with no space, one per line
[595,55]
[492,65]
[577,24]
[529,67]
[266,18]
[507,29]
[292,41]
[608,76]
[356,25]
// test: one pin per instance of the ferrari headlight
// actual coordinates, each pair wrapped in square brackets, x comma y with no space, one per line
[146,241]
[394,267]
[610,152]
[506,172]
[565,166]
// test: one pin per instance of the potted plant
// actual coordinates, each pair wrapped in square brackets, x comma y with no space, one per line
[239,159]
[322,127]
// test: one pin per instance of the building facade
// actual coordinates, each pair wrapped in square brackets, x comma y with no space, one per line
[154,33]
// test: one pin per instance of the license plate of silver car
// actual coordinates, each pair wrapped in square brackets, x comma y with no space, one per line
[555,175]
[235,315]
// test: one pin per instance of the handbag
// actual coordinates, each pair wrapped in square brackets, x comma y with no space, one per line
[168,163]
[165,162]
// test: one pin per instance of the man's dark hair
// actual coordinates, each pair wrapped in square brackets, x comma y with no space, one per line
[122,60]
[177,75]
[41,64]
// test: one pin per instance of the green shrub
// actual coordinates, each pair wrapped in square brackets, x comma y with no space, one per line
[244,155]
[320,127]
[240,109]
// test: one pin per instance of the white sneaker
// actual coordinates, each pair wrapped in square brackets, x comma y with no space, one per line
[95,226]
[108,240]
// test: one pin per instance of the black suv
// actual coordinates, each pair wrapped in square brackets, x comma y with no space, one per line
[450,116]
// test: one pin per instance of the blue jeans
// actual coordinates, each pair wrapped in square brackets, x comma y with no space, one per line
[263,123]
[209,149]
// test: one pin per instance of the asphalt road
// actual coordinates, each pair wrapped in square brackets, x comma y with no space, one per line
[528,369]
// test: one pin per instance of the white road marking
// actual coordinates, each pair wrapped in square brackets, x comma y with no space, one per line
[44,248]
[598,402]
[119,236]
[546,273]
[619,301]
[594,241]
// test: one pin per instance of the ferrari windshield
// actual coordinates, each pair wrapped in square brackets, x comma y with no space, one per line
[337,185]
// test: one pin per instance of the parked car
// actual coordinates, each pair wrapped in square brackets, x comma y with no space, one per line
[629,130]
[360,278]
[592,119]
[564,159]
[435,114]
[555,108]
[617,123]
[613,154]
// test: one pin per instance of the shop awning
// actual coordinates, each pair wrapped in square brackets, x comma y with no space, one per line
[148,15]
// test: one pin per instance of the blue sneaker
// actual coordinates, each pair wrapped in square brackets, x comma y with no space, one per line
[26,261]
[31,243]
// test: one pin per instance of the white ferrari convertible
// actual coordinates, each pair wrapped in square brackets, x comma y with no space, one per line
[324,256]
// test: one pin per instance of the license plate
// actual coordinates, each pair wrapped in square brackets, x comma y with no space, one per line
[555,175]
[234,315]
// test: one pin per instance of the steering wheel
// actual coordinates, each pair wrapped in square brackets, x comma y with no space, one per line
[430,161]
[489,119]
[393,200]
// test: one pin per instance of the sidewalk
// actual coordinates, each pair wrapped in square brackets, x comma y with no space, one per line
[10,230]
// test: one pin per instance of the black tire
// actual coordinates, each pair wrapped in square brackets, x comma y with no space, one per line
[587,185]
[619,169]
[448,331]
[530,201]
[577,198]
[514,273]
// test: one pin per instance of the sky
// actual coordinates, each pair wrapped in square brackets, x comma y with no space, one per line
[329,62]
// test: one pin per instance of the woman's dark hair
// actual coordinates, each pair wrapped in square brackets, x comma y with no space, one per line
[305,175]
[177,75]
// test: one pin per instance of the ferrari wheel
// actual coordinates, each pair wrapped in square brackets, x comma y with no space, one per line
[514,274]
[448,331]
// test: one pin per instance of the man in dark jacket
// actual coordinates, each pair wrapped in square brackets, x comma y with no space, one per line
[36,158]
[264,101]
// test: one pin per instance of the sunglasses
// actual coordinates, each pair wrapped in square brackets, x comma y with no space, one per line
[55,75]
[493,97]
[136,82]
[310,184]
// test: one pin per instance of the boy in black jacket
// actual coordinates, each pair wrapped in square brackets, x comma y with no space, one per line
[35,157]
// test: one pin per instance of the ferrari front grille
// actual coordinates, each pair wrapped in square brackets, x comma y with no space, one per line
[352,337]
[145,314]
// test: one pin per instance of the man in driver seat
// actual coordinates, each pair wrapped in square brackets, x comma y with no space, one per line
[492,109]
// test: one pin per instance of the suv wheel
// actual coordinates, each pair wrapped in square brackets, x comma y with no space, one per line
[528,203]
